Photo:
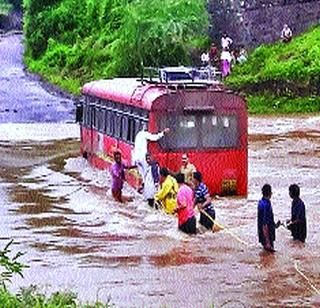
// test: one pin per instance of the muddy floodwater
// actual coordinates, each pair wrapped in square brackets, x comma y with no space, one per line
[60,212]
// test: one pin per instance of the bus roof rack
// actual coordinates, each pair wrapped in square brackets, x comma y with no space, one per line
[179,76]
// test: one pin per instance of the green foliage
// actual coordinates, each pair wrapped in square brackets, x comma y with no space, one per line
[80,40]
[5,7]
[10,265]
[30,297]
[17,4]
[271,104]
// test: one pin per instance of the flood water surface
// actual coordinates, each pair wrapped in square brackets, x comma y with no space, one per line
[60,212]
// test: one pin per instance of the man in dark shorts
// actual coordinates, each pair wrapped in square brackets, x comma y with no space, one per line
[298,222]
[202,199]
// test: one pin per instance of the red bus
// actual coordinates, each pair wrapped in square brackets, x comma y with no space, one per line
[206,121]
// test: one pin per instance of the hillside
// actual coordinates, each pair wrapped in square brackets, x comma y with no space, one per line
[70,42]
[282,77]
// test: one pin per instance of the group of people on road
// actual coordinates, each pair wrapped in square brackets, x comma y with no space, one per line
[297,224]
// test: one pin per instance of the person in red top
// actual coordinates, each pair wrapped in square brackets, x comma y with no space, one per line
[214,58]
[186,215]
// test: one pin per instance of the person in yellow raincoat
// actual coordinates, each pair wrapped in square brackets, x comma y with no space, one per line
[167,195]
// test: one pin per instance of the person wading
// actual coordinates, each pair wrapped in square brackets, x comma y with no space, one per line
[298,222]
[151,179]
[266,224]
[167,195]
[117,171]
[187,169]
[185,202]
[203,202]
[141,147]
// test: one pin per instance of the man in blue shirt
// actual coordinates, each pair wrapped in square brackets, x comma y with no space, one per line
[266,224]
[298,222]
[202,199]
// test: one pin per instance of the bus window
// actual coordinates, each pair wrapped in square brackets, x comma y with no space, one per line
[183,131]
[110,123]
[219,131]
[230,131]
[131,129]
[103,120]
[124,127]
[85,115]
[94,117]
[137,128]
[117,125]
[90,111]
[99,121]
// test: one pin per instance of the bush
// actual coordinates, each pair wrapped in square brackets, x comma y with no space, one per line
[31,297]
[10,265]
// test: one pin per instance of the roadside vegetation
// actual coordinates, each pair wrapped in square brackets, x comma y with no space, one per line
[5,7]
[31,297]
[70,42]
[282,77]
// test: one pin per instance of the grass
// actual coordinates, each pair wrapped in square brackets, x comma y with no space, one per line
[270,104]
[282,78]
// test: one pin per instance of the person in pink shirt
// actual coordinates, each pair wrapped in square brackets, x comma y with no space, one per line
[184,209]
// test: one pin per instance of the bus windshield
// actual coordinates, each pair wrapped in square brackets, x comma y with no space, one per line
[200,130]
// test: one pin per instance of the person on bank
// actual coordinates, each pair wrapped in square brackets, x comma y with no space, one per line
[205,59]
[187,169]
[226,60]
[266,224]
[141,146]
[203,201]
[167,195]
[184,209]
[214,58]
[117,171]
[151,179]
[286,34]
[298,222]
[226,41]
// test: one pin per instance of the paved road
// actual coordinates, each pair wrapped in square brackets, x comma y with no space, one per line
[22,98]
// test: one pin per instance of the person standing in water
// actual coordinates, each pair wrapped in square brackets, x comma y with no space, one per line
[187,169]
[151,179]
[203,201]
[117,171]
[298,222]
[167,195]
[141,147]
[266,225]
[184,209]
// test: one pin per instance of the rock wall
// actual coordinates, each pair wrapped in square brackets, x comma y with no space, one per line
[252,22]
